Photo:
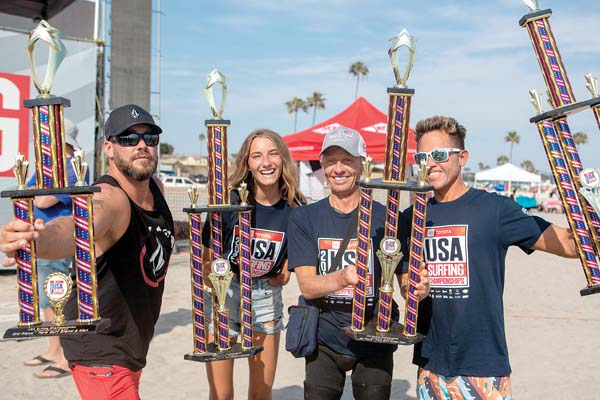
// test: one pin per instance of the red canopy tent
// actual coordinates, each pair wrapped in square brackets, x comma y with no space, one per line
[360,115]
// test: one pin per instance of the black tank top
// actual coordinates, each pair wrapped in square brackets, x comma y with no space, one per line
[130,287]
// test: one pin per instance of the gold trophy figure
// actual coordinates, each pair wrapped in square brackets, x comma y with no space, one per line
[389,256]
[221,277]
[58,289]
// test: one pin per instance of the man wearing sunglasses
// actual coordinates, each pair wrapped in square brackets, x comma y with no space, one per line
[468,232]
[317,231]
[134,236]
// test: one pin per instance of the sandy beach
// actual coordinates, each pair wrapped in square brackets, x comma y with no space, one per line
[552,336]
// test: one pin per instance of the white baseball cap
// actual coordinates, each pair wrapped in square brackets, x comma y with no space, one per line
[71,132]
[347,139]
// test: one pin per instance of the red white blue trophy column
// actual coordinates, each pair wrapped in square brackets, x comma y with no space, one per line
[51,176]
[28,299]
[198,309]
[558,140]
[383,329]
[221,274]
[245,241]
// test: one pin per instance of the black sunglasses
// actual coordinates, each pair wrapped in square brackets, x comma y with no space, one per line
[130,139]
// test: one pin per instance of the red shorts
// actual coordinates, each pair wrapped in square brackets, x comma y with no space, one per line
[110,382]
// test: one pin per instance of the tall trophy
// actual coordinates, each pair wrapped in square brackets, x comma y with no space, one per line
[51,175]
[576,186]
[220,275]
[383,329]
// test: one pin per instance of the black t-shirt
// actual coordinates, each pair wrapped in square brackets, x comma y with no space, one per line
[269,239]
[316,232]
[465,246]
[130,286]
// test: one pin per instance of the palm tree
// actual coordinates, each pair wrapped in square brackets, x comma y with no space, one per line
[483,166]
[202,138]
[295,105]
[580,138]
[316,101]
[528,166]
[512,137]
[503,159]
[357,69]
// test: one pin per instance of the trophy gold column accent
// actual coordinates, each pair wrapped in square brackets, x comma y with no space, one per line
[245,269]
[58,288]
[28,300]
[384,330]
[558,141]
[363,249]
[389,256]
[52,179]
[220,277]
[218,194]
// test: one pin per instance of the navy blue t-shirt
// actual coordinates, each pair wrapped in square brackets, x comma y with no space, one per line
[465,246]
[269,239]
[317,231]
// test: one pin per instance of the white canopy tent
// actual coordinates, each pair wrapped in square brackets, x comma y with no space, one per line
[508,173]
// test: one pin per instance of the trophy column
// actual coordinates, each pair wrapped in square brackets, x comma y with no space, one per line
[52,179]
[558,141]
[28,300]
[384,330]
[220,275]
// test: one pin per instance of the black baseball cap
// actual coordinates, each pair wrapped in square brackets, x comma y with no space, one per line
[124,117]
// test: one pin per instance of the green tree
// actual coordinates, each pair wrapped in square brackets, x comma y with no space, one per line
[201,138]
[513,138]
[483,166]
[357,69]
[295,105]
[317,102]
[580,138]
[503,159]
[166,148]
[528,166]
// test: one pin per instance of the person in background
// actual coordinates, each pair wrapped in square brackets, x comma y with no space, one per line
[47,208]
[265,165]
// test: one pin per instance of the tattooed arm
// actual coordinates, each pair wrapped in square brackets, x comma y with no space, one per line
[55,239]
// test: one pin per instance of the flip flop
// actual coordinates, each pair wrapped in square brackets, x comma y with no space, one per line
[60,372]
[40,361]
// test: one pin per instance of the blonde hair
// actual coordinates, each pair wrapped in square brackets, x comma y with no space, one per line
[288,181]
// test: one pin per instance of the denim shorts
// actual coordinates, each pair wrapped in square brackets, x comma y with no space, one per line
[267,306]
[45,268]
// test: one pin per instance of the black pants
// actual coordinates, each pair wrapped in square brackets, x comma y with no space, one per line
[372,376]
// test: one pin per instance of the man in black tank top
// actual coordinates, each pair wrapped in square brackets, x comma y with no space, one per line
[134,237]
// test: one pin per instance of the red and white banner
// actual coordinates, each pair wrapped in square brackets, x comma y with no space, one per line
[14,120]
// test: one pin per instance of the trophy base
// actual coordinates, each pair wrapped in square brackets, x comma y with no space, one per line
[218,208]
[54,191]
[564,111]
[48,329]
[394,336]
[410,185]
[590,290]
[213,354]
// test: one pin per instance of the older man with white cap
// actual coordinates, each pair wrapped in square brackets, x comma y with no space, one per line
[315,236]
[48,208]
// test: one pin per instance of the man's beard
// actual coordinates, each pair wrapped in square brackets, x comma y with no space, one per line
[139,174]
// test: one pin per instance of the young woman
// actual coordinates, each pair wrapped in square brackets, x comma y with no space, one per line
[264,163]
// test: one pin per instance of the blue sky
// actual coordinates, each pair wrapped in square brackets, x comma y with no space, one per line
[474,62]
